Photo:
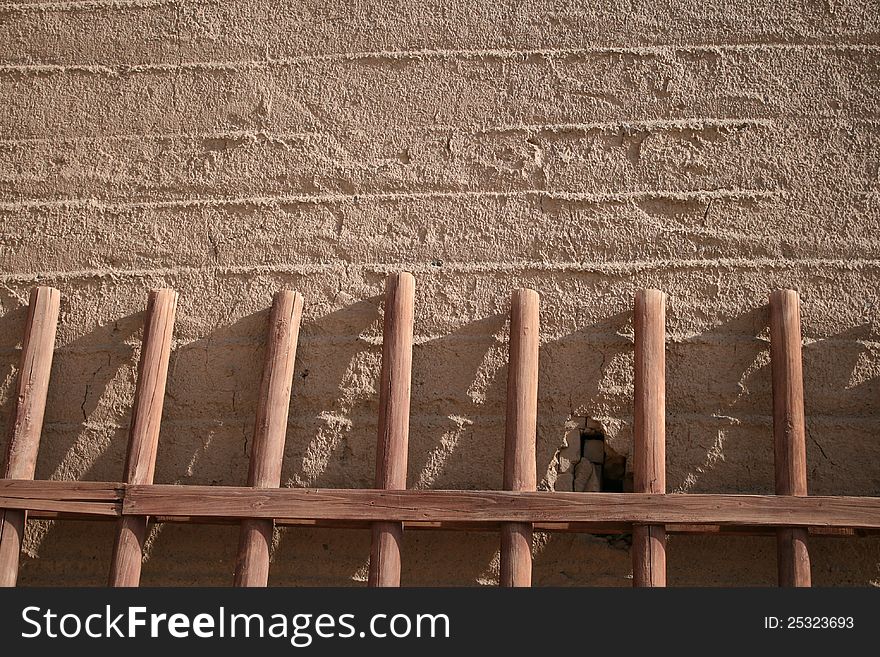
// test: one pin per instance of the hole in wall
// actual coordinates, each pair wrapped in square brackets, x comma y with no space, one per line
[586,462]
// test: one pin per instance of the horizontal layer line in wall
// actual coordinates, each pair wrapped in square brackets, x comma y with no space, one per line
[92,5]
[112,197]
[474,420]
[696,123]
[612,127]
[419,55]
[598,339]
[293,199]
[602,268]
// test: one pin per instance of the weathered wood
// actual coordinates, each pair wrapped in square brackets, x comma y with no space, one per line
[105,500]
[393,442]
[501,506]
[521,427]
[649,432]
[143,441]
[598,528]
[86,509]
[43,489]
[270,431]
[789,432]
[27,420]
[551,527]
[557,511]
[86,499]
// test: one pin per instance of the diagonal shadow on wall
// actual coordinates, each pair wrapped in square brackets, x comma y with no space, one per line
[456,442]
[11,331]
[82,434]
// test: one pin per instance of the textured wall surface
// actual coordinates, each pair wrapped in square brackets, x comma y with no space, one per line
[715,149]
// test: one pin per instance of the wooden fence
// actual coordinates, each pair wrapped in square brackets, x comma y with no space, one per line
[648,512]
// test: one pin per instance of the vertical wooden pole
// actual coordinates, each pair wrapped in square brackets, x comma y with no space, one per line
[143,439]
[27,424]
[270,431]
[520,432]
[649,438]
[394,397]
[789,434]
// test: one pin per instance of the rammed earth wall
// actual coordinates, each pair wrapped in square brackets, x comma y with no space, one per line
[713,149]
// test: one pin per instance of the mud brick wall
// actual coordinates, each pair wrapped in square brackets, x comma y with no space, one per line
[712,148]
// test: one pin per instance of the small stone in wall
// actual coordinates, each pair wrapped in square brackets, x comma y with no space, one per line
[587,477]
[594,450]
[564,482]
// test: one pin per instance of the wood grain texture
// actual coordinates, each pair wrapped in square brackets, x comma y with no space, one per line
[520,431]
[501,506]
[143,440]
[110,511]
[481,510]
[649,431]
[789,430]
[82,499]
[270,431]
[32,490]
[393,441]
[27,419]
[42,508]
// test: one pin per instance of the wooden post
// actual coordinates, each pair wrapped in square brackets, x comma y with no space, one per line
[649,438]
[394,397]
[520,432]
[270,430]
[27,424]
[143,439]
[789,434]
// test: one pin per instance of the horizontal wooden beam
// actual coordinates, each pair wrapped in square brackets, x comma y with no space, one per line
[502,506]
[453,510]
[602,529]
[91,491]
[84,508]
[73,498]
